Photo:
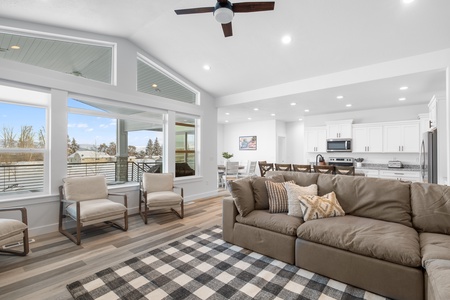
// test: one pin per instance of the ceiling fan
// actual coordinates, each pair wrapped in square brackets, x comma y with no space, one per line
[224,11]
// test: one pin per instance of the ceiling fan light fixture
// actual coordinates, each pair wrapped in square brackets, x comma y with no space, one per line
[223,14]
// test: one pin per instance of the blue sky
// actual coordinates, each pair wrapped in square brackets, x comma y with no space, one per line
[84,128]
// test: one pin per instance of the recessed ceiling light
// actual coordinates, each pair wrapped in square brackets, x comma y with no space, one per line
[287,39]
[293,103]
[402,99]
[249,119]
[226,121]
[340,97]
[403,88]
[207,67]
[227,114]
[154,85]
[15,47]
[407,1]
[348,105]
[273,115]
[306,110]
[300,119]
[255,109]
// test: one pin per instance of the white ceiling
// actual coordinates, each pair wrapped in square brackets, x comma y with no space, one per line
[327,36]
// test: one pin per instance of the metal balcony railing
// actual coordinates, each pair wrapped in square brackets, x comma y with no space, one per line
[25,178]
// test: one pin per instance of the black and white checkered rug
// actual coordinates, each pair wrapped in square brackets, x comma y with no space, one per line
[203,266]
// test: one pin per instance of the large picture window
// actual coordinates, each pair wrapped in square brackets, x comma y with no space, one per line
[118,145]
[23,146]
[185,155]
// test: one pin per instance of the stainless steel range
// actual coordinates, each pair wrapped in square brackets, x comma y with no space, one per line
[341,161]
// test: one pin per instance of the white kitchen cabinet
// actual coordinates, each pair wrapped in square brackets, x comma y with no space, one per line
[400,175]
[368,172]
[316,139]
[367,138]
[339,129]
[401,137]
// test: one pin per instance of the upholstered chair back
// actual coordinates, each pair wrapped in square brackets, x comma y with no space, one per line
[85,188]
[157,182]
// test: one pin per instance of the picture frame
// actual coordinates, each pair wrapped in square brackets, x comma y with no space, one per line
[248,142]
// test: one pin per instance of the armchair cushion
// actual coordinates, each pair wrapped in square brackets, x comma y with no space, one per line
[85,188]
[157,182]
[96,209]
[164,198]
[10,227]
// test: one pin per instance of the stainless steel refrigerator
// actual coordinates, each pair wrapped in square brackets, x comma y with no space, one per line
[428,157]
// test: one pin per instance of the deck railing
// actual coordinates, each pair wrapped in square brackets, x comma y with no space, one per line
[30,177]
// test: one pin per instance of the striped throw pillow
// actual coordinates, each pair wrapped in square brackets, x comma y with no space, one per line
[278,198]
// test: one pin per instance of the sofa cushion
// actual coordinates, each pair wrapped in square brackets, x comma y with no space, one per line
[278,199]
[318,207]
[260,190]
[294,191]
[430,207]
[303,179]
[381,199]
[280,223]
[438,271]
[387,241]
[434,246]
[242,192]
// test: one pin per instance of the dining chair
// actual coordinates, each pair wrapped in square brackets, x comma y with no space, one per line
[301,168]
[324,169]
[14,231]
[283,167]
[157,192]
[250,170]
[344,170]
[231,171]
[86,200]
[264,167]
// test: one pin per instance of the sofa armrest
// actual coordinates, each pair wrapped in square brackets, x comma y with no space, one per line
[229,213]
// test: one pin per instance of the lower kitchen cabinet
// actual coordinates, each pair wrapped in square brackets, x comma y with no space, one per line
[400,175]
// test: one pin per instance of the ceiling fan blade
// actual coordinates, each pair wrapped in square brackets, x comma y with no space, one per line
[197,10]
[244,7]
[227,29]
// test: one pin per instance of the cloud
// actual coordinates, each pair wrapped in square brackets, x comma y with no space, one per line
[89,129]
[78,125]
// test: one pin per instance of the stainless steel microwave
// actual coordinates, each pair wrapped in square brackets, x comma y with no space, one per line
[339,145]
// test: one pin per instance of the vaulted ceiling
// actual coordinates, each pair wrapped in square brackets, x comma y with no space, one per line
[328,36]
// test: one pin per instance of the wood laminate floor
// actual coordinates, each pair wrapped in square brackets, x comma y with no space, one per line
[54,261]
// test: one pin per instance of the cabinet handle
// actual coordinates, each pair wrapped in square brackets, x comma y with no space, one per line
[399,173]
[368,148]
[402,149]
[399,148]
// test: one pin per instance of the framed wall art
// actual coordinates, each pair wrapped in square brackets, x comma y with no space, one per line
[247,142]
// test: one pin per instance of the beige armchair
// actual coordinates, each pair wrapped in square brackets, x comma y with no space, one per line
[12,231]
[85,200]
[157,192]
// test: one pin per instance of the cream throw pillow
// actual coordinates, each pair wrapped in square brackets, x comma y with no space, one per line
[294,192]
[278,199]
[316,207]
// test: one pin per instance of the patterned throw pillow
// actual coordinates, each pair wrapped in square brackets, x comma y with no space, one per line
[294,191]
[316,207]
[278,199]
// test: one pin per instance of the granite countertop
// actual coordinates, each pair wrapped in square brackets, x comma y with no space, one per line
[385,167]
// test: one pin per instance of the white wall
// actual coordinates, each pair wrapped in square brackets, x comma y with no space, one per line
[295,138]
[265,132]
[43,211]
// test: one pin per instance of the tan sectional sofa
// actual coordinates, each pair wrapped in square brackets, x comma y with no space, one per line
[394,239]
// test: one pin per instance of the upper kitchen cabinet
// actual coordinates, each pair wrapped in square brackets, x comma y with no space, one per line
[339,129]
[316,139]
[401,136]
[367,138]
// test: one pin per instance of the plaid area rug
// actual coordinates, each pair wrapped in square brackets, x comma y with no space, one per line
[203,266]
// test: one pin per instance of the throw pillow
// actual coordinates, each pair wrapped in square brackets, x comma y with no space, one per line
[278,199]
[316,207]
[242,192]
[260,190]
[294,191]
